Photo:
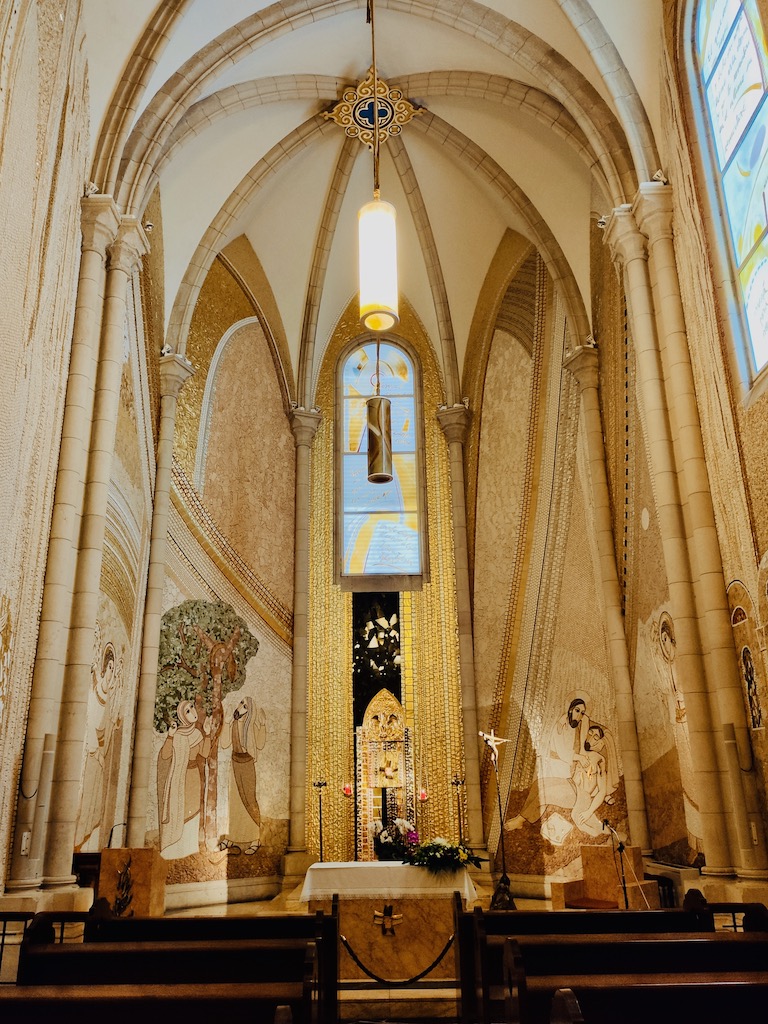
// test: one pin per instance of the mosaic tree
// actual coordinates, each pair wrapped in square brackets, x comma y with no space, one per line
[204,650]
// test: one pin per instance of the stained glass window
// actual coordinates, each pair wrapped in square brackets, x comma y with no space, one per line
[380,533]
[732,60]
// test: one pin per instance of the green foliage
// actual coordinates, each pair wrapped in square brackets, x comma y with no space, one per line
[183,661]
[438,855]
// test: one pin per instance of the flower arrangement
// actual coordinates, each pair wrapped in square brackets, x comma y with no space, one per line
[396,841]
[439,855]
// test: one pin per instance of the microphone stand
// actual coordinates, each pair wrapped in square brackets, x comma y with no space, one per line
[620,848]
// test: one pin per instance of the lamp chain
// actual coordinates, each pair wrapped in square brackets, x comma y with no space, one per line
[372,19]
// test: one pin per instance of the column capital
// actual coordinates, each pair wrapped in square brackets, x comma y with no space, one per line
[652,210]
[454,420]
[129,246]
[304,424]
[175,371]
[99,223]
[623,236]
[582,363]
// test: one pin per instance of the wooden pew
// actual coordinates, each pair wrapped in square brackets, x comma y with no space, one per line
[474,928]
[321,928]
[126,1004]
[565,1008]
[631,997]
[632,978]
[267,973]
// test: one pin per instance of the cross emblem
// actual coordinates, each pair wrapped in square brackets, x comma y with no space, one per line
[364,113]
[387,919]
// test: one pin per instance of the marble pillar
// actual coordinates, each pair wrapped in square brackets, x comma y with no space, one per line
[628,247]
[99,224]
[652,210]
[124,255]
[304,424]
[175,370]
[454,421]
[583,364]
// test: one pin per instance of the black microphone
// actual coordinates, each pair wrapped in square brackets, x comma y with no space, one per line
[605,822]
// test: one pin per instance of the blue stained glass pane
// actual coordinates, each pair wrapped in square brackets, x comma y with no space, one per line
[355,425]
[359,375]
[746,188]
[381,544]
[714,22]
[380,521]
[362,496]
[754,286]
[403,435]
[735,89]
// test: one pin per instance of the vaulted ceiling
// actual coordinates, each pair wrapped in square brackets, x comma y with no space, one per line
[538,116]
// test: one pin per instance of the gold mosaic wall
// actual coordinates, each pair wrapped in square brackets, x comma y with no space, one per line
[152,284]
[429,634]
[221,304]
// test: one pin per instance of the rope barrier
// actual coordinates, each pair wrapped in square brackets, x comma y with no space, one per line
[396,984]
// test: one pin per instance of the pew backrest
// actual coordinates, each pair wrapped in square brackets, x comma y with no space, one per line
[109,963]
[322,928]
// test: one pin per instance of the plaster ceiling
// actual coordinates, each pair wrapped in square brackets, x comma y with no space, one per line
[532,108]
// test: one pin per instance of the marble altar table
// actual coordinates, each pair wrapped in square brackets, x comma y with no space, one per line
[396,918]
[383,880]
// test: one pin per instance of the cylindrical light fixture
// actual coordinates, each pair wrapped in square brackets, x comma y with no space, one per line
[379,440]
[377,235]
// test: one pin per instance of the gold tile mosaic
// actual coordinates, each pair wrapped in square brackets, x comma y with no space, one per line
[431,684]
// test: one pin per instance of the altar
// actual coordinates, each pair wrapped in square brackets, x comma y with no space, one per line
[396,919]
[383,880]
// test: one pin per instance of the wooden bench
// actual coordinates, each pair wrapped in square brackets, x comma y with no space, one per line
[606,972]
[632,998]
[321,928]
[192,1003]
[276,972]
[473,928]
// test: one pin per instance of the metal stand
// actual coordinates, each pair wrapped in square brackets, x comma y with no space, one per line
[458,783]
[502,898]
[319,787]
[620,849]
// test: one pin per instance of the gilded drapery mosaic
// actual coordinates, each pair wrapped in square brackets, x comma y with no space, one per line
[431,686]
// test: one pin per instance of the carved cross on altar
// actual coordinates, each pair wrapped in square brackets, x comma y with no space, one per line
[387,918]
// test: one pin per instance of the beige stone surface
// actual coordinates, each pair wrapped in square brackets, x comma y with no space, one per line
[399,946]
[142,871]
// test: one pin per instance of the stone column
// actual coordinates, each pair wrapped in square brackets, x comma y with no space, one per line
[175,370]
[628,247]
[304,425]
[583,364]
[99,223]
[124,256]
[454,421]
[653,212]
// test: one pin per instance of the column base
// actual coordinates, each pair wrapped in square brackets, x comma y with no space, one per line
[51,882]
[23,885]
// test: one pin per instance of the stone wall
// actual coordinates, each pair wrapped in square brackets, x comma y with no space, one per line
[43,157]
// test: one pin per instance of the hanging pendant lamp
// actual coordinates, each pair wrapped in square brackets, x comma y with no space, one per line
[377,233]
[377,238]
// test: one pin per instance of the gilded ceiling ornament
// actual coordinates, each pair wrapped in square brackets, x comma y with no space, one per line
[355,110]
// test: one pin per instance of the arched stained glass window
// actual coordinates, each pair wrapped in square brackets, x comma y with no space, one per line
[732,62]
[380,527]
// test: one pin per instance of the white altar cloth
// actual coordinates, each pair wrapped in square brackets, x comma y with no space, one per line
[383,880]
